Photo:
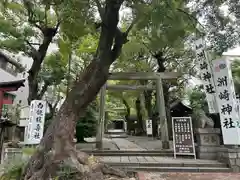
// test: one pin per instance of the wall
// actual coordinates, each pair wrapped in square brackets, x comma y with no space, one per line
[230,156]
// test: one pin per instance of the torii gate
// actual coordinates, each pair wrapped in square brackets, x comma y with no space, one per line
[158,77]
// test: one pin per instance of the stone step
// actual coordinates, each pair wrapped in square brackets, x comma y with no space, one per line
[168,164]
[115,132]
[175,169]
[116,135]
[129,153]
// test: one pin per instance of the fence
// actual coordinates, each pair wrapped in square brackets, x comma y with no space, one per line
[9,154]
[12,154]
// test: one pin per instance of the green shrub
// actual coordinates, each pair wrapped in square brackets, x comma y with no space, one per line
[13,170]
[86,126]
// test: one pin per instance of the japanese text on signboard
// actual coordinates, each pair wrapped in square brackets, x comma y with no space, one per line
[206,76]
[183,137]
[36,121]
[227,102]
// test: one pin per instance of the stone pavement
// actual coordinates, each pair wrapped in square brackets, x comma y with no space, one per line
[124,144]
[148,143]
[155,159]
[188,176]
[90,144]
[130,143]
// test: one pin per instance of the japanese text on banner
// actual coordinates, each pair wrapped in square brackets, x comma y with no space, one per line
[206,76]
[227,102]
[36,122]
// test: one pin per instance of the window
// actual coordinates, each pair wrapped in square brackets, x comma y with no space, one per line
[3,63]
[5,95]
[11,69]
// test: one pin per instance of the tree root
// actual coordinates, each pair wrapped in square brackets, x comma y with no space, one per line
[92,169]
[84,167]
[107,170]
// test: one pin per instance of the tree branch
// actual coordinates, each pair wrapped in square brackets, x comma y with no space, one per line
[120,40]
[100,8]
[43,90]
[31,45]
[191,17]
[131,26]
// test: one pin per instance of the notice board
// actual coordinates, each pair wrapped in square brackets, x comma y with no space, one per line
[183,141]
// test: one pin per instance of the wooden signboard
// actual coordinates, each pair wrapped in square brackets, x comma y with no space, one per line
[183,141]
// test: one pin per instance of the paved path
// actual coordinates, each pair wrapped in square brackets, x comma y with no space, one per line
[189,176]
[148,143]
[155,159]
[124,144]
[108,144]
[129,143]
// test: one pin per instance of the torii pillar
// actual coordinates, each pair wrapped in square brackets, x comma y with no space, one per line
[163,130]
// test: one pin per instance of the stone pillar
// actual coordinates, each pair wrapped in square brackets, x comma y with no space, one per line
[162,114]
[100,130]
[208,141]
[230,156]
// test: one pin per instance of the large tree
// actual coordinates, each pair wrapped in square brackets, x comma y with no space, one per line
[57,143]
[28,27]
[171,54]
[219,22]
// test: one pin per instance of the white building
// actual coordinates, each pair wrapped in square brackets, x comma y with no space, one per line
[12,70]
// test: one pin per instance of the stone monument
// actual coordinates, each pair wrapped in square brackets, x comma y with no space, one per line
[208,138]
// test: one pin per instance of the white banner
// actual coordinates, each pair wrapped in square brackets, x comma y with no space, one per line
[34,130]
[238,103]
[206,76]
[227,102]
[149,126]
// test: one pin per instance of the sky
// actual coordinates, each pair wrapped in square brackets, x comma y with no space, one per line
[233,52]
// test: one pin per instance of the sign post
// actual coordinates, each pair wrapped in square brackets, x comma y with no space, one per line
[206,75]
[183,141]
[34,130]
[227,102]
[149,127]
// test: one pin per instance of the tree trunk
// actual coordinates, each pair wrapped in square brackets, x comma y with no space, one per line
[149,107]
[161,68]
[57,143]
[128,109]
[139,117]
[38,57]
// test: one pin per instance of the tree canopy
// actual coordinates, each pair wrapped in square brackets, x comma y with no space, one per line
[92,39]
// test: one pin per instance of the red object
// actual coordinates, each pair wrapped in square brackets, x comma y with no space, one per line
[7,101]
[8,98]
[141,175]
[7,87]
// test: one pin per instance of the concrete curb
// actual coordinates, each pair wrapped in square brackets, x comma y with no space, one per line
[141,176]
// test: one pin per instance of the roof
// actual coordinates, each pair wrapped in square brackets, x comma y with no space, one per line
[6,122]
[181,103]
[16,83]
[13,62]
[6,77]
